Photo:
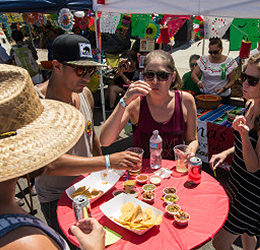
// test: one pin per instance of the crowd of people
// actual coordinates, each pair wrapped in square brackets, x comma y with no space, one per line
[155,101]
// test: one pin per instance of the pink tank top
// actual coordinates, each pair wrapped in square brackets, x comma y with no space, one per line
[172,132]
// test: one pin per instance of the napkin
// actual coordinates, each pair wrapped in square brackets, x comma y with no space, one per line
[163,173]
[111,237]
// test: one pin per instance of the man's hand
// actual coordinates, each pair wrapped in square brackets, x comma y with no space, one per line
[90,234]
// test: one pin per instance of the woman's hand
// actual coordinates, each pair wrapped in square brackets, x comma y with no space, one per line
[217,159]
[125,160]
[136,89]
[201,85]
[239,124]
[90,234]
[219,91]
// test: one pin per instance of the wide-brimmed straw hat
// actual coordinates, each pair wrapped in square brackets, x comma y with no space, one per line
[33,132]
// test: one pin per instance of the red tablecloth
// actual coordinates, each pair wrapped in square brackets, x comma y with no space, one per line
[206,203]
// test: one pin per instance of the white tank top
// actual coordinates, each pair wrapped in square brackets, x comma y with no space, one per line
[50,188]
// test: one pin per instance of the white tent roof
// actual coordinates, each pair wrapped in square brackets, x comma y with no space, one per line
[220,8]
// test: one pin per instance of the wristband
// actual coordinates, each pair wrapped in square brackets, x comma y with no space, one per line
[199,82]
[108,166]
[122,103]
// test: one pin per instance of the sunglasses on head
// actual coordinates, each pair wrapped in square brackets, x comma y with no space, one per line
[82,71]
[193,64]
[160,75]
[213,52]
[251,80]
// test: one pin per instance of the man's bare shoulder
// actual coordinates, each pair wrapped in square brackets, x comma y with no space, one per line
[28,238]
[42,87]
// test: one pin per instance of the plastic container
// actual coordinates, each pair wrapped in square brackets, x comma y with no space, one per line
[155,150]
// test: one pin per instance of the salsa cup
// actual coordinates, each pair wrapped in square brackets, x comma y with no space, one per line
[182,218]
[170,198]
[172,209]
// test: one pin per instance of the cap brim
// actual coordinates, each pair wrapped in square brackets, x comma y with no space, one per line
[51,135]
[86,63]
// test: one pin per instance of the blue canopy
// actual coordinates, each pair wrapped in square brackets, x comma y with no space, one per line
[43,5]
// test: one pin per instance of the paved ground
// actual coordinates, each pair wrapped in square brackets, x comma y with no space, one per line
[181,56]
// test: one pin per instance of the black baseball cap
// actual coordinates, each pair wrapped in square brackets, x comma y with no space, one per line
[73,49]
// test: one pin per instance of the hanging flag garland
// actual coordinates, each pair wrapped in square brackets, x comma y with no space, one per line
[124,25]
[139,24]
[216,27]
[65,19]
[198,26]
[109,22]
[152,30]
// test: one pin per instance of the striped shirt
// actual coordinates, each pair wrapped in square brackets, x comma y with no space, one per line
[244,193]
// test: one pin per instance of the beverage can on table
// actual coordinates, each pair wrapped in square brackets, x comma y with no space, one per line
[194,170]
[81,207]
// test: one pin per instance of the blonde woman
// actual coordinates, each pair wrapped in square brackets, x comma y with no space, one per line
[244,182]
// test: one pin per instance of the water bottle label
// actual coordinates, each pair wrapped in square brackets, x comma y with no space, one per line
[154,145]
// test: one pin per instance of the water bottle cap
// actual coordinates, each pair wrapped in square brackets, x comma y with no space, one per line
[156,132]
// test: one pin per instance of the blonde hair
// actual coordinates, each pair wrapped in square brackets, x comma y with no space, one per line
[169,63]
[255,59]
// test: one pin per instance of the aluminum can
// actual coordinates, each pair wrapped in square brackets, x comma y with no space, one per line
[81,207]
[194,170]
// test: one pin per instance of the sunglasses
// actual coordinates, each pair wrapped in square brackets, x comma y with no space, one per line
[251,80]
[82,71]
[160,75]
[193,64]
[213,52]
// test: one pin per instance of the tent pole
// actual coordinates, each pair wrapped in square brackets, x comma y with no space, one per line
[101,84]
[30,33]
[203,46]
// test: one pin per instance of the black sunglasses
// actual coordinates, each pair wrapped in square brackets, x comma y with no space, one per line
[252,81]
[213,52]
[193,64]
[160,75]
[82,71]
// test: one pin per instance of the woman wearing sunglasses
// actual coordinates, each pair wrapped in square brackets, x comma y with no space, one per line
[151,104]
[244,181]
[217,70]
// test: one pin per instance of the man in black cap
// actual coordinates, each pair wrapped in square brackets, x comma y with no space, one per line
[72,67]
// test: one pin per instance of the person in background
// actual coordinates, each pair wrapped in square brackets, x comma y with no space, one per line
[127,72]
[151,104]
[24,55]
[24,150]
[70,75]
[243,186]
[187,82]
[4,57]
[218,71]
[47,38]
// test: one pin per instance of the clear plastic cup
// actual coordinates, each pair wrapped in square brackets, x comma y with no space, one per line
[138,168]
[182,153]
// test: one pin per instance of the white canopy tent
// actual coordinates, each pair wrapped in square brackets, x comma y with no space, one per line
[220,8]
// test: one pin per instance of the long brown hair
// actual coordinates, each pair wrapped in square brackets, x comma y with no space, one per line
[169,63]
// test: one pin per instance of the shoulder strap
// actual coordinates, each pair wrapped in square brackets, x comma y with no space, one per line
[10,222]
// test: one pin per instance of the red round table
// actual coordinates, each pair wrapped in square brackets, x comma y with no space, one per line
[207,204]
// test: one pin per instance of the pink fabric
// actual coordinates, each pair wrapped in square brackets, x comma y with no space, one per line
[206,203]
[173,131]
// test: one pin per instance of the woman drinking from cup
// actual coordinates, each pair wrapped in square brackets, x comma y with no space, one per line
[152,105]
[244,181]
[218,71]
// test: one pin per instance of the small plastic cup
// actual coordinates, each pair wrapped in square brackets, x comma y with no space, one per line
[182,153]
[138,168]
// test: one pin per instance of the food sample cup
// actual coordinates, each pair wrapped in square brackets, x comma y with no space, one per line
[138,168]
[182,153]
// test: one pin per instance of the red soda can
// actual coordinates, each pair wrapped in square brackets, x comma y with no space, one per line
[81,207]
[194,170]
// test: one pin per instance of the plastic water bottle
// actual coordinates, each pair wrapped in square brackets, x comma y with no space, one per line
[155,150]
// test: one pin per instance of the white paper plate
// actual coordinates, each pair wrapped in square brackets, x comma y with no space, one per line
[111,209]
[95,180]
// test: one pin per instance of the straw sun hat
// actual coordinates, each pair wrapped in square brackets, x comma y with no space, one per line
[33,132]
